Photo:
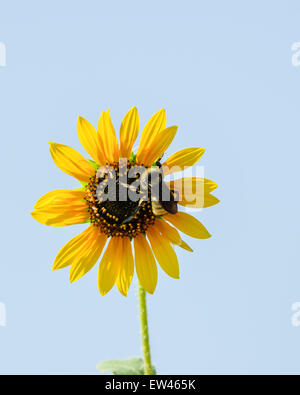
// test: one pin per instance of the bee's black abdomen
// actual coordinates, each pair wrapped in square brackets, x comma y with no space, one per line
[171,207]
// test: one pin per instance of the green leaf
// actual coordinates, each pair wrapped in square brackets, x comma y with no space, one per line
[131,366]
[94,164]
[132,157]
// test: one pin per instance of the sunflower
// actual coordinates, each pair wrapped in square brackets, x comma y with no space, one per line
[136,233]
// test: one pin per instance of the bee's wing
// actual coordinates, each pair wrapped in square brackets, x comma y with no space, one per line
[158,209]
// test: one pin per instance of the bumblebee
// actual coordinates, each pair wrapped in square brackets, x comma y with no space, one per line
[153,188]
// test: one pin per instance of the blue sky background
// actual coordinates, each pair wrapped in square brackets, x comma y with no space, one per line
[223,72]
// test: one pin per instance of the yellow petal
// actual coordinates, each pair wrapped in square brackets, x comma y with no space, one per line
[168,231]
[185,246]
[194,192]
[88,254]
[107,137]
[171,234]
[71,162]
[182,159]
[88,137]
[61,207]
[128,132]
[59,220]
[164,252]
[155,124]
[61,196]
[145,264]
[110,266]
[159,145]
[188,224]
[83,250]
[208,201]
[127,266]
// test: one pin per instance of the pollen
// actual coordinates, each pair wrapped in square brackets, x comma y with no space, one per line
[116,214]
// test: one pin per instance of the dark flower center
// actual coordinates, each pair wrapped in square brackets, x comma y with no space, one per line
[109,203]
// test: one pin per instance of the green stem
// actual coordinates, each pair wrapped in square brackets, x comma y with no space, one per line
[144,331]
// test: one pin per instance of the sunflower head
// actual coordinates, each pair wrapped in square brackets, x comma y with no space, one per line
[126,202]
